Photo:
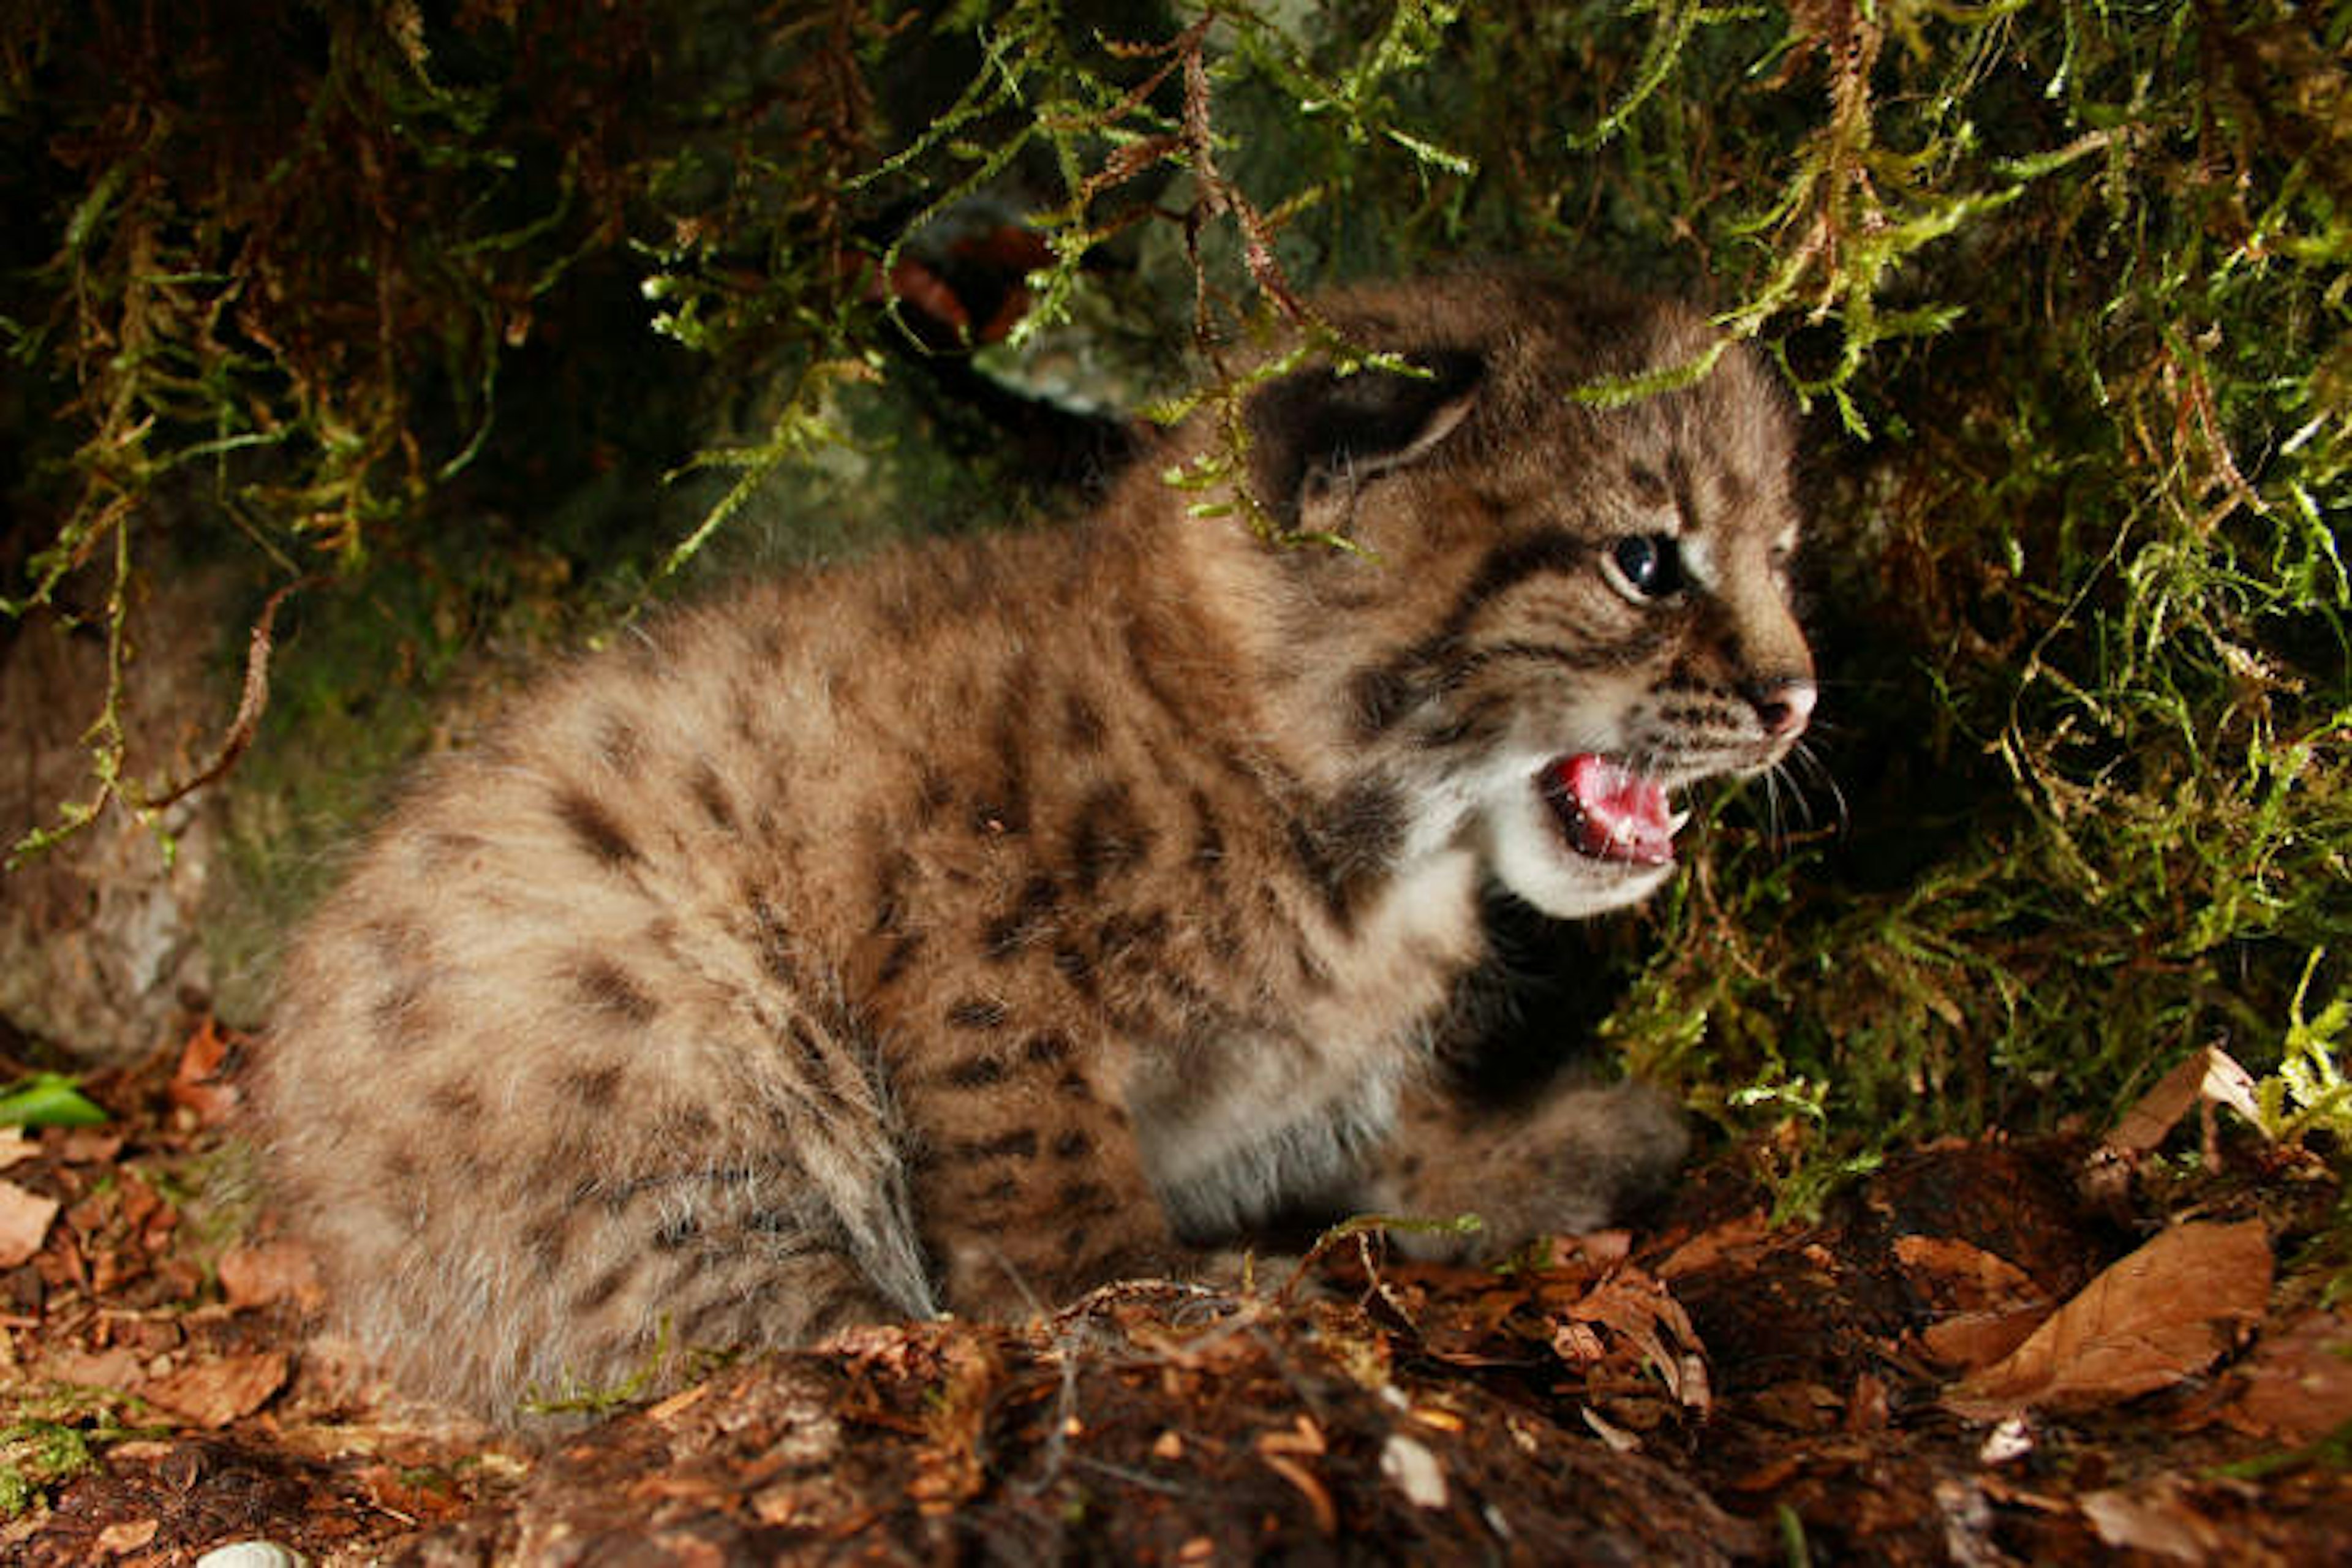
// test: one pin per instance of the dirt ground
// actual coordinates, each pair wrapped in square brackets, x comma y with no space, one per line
[2050,1351]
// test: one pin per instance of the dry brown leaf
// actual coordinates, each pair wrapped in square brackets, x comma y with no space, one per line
[15,1146]
[117,1368]
[1799,1406]
[2157,1316]
[2298,1381]
[2156,1515]
[88,1146]
[1969,1275]
[1638,1308]
[273,1271]
[213,1394]
[126,1536]
[1714,1244]
[199,1083]
[1593,1246]
[1993,1303]
[2210,1074]
[1577,1344]
[24,1219]
[425,1496]
[1866,1408]
[1966,1341]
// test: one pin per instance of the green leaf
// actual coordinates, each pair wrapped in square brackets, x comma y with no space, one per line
[47,1099]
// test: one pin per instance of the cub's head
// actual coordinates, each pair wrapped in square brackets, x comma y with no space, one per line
[1559,614]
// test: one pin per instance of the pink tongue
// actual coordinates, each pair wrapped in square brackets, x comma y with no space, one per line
[1620,814]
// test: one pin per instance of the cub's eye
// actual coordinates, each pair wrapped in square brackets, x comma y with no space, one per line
[1649,565]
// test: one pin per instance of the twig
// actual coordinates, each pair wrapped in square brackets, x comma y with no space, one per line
[250,703]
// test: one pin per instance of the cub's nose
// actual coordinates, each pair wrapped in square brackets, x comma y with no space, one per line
[1782,706]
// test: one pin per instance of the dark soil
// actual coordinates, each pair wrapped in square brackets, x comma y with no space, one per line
[1708,1389]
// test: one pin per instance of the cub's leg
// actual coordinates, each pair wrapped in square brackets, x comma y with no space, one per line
[1576,1158]
[758,1199]
[1026,1179]
[563,1179]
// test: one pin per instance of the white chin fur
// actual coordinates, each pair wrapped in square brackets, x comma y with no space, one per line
[1528,856]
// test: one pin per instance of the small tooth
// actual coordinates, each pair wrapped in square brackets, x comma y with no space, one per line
[1674,823]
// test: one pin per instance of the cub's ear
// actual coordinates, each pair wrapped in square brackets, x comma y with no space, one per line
[1316,435]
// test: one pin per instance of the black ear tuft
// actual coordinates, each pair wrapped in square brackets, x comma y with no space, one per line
[1318,422]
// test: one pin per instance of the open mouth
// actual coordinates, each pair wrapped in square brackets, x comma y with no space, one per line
[1606,811]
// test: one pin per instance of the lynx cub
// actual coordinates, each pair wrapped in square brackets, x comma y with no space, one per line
[956,930]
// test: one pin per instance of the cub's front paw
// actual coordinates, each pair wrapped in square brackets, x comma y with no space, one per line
[1577,1160]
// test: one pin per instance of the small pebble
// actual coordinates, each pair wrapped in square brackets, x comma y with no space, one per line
[1414,1470]
[252,1554]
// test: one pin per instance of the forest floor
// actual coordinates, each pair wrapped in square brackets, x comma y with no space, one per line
[2048,1351]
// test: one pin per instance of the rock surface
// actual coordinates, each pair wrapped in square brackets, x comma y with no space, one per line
[99,949]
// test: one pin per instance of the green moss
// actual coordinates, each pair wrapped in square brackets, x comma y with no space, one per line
[2066,289]
[36,1457]
[49,1436]
[2084,604]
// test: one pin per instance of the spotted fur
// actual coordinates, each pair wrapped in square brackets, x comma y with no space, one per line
[964,927]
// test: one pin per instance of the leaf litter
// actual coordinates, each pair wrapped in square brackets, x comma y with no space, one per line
[2153,1320]
[1989,1352]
